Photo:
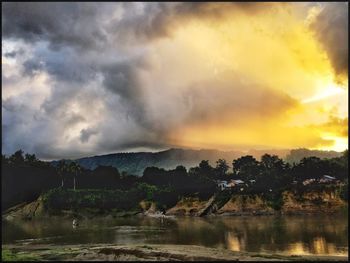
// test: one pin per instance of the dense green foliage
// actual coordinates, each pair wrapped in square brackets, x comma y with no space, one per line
[61,199]
[93,198]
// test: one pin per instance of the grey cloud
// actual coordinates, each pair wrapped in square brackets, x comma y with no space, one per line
[63,64]
[61,23]
[78,43]
[74,118]
[85,134]
[11,105]
[14,53]
[31,67]
[159,19]
[331,28]
[80,25]
[122,79]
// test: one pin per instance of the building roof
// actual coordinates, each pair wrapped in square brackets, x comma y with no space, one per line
[238,181]
[328,177]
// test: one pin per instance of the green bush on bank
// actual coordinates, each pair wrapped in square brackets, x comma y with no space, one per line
[69,199]
[275,200]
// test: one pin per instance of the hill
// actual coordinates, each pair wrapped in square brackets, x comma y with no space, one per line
[136,162]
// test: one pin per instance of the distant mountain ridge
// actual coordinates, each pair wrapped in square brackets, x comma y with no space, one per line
[136,162]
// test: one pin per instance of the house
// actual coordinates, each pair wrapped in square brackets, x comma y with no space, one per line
[224,184]
[237,182]
[309,181]
[327,179]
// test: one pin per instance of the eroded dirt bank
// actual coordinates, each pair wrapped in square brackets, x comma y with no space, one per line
[220,204]
[145,252]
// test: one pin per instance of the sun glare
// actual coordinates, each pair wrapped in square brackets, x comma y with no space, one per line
[330,90]
[339,143]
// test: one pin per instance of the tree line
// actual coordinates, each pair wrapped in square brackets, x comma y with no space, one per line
[24,177]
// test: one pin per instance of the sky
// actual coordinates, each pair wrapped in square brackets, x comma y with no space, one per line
[82,79]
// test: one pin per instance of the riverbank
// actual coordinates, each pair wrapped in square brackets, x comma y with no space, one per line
[325,201]
[147,252]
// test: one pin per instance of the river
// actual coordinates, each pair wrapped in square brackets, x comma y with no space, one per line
[292,235]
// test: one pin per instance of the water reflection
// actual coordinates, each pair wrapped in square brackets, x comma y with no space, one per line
[297,248]
[297,235]
[234,243]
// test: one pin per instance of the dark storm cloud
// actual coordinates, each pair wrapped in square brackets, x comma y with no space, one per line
[59,23]
[159,19]
[93,25]
[64,65]
[84,49]
[122,79]
[73,45]
[32,66]
[331,28]
[79,24]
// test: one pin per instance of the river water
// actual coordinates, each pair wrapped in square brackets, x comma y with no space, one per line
[293,235]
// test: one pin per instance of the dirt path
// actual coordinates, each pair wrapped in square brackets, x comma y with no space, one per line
[143,252]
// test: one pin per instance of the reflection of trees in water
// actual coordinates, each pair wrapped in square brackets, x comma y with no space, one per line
[299,235]
[13,232]
[199,231]
[292,234]
[41,228]
[234,242]
[319,245]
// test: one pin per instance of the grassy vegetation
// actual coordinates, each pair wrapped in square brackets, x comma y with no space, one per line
[103,199]
[8,255]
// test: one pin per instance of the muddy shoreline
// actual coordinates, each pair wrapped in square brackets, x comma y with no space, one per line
[145,252]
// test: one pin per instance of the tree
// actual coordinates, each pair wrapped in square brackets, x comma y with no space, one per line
[309,167]
[156,176]
[180,169]
[246,167]
[205,169]
[275,173]
[17,157]
[107,177]
[30,158]
[221,168]
[62,169]
[75,169]
[4,159]
[272,162]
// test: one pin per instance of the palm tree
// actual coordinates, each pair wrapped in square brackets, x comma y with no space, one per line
[75,169]
[62,169]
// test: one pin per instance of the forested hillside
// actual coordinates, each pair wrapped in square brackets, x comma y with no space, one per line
[135,163]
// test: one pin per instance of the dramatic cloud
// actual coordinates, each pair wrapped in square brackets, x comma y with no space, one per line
[85,78]
[331,27]
[71,24]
